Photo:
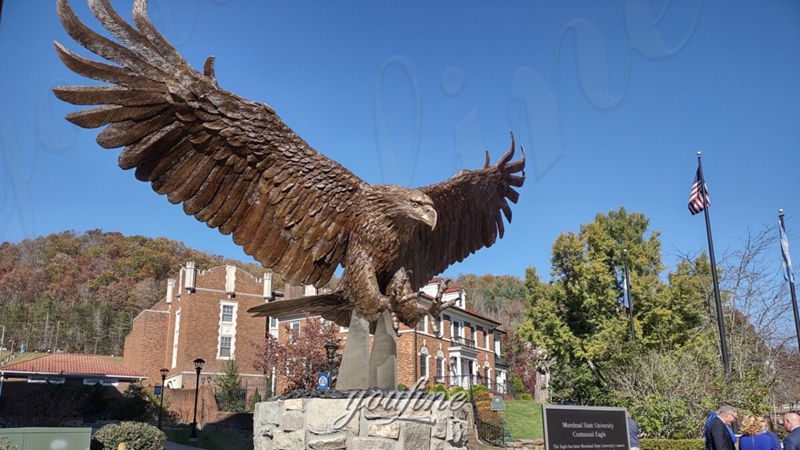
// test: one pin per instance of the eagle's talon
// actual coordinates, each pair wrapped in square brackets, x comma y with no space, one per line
[395,323]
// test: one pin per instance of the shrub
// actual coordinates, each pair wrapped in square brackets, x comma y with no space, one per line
[460,391]
[255,399]
[438,388]
[481,396]
[671,444]
[136,435]
[478,388]
[485,413]
[138,404]
[6,444]
[525,396]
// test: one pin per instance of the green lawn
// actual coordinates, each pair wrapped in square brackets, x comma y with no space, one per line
[209,440]
[523,419]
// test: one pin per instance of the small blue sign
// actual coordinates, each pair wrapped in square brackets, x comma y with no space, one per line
[322,380]
[157,390]
[498,404]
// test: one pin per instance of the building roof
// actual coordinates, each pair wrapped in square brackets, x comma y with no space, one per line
[72,365]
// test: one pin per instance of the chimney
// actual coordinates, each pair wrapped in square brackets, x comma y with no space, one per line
[268,287]
[191,277]
[230,281]
[170,289]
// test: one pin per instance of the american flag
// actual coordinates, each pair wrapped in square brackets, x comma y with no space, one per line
[696,198]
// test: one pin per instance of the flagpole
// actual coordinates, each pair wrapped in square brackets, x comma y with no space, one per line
[790,279]
[630,297]
[720,322]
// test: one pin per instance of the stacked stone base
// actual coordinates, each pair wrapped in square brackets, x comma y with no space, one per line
[362,423]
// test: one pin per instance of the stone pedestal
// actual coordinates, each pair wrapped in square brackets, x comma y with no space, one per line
[363,420]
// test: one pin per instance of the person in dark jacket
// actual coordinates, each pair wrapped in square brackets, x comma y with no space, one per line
[633,432]
[755,435]
[791,422]
[717,432]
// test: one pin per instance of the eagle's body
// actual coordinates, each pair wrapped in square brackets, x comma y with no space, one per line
[235,165]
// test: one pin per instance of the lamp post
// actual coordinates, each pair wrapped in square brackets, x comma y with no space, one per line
[330,350]
[161,407]
[198,366]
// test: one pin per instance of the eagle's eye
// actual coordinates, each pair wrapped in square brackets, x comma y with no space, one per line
[415,204]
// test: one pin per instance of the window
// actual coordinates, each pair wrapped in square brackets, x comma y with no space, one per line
[486,340]
[294,331]
[227,313]
[439,368]
[225,346]
[423,324]
[423,366]
[441,330]
[456,330]
[273,326]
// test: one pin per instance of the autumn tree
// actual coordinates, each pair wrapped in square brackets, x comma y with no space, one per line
[297,357]
[502,297]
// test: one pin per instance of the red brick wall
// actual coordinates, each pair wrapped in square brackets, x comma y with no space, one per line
[146,345]
[149,346]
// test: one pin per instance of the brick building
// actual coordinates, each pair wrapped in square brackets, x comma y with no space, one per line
[465,351]
[204,315]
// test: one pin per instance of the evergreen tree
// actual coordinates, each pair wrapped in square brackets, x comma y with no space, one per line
[229,392]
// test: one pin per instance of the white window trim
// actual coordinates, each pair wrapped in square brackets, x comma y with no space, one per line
[227,329]
[176,338]
[427,358]
[440,359]
[234,313]
[219,346]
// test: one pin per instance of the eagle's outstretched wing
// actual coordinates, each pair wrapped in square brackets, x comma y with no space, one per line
[232,162]
[470,208]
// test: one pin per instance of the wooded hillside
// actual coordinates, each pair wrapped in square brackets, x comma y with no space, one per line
[80,292]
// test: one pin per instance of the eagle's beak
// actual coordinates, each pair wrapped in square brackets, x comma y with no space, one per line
[429,217]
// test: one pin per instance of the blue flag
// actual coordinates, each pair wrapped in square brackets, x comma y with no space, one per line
[626,299]
[787,260]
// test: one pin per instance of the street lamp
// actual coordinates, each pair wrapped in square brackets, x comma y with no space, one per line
[198,366]
[161,408]
[330,350]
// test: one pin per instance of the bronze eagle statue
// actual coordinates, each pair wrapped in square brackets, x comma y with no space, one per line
[236,166]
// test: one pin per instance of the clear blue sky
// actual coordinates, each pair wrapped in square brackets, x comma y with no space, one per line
[611,99]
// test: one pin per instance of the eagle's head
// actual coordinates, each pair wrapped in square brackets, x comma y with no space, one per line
[405,207]
[421,208]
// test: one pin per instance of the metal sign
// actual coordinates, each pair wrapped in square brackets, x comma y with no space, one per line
[157,390]
[322,380]
[584,428]
[498,404]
